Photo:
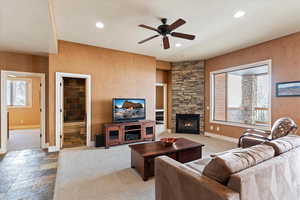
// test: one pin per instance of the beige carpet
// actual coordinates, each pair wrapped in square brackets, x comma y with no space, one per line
[86,174]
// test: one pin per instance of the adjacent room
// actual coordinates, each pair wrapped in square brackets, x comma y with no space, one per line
[24,115]
[74,112]
[150,100]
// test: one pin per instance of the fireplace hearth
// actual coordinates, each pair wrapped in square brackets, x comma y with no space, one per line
[187,123]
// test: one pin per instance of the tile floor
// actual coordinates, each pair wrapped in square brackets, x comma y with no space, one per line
[27,175]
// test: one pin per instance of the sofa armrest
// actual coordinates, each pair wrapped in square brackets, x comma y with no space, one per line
[175,181]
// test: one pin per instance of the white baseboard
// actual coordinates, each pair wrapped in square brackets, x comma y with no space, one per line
[53,149]
[45,145]
[222,137]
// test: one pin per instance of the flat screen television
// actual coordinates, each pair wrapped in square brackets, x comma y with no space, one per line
[128,109]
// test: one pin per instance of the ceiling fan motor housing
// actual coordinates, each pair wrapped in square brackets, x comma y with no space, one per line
[164,28]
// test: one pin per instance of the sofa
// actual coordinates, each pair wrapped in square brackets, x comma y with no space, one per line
[268,171]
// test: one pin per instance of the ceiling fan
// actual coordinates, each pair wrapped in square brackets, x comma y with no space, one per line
[164,30]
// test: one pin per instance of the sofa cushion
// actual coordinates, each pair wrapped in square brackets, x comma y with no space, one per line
[284,144]
[199,165]
[221,167]
[294,140]
[280,146]
[274,179]
[224,152]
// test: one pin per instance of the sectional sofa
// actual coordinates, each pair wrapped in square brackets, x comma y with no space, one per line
[268,171]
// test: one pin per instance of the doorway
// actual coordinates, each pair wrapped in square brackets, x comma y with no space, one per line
[22,111]
[161,107]
[73,110]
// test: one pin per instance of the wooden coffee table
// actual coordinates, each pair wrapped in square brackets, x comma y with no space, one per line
[143,155]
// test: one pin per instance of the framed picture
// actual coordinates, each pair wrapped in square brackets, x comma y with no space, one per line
[288,89]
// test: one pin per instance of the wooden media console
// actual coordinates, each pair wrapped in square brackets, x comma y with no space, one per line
[129,132]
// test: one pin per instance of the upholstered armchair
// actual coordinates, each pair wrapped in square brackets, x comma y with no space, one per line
[280,128]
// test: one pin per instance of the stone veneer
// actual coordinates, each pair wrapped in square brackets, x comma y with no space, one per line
[249,96]
[188,90]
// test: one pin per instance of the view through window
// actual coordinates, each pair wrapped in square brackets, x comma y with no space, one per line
[242,96]
[18,92]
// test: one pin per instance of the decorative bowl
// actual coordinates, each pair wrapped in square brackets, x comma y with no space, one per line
[168,141]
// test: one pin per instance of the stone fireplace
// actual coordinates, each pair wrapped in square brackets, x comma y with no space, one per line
[188,96]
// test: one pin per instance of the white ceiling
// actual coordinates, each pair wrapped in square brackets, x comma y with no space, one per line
[25,25]
[217,31]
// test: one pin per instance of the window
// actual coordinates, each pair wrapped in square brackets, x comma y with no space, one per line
[19,92]
[241,95]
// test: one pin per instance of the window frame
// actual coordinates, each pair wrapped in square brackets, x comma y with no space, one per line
[28,93]
[240,67]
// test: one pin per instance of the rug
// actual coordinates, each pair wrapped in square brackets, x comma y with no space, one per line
[86,174]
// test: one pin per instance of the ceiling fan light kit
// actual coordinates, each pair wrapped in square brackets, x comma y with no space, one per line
[165,30]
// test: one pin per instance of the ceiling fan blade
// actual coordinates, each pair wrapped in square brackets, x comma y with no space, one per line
[148,27]
[166,42]
[176,24]
[183,35]
[150,38]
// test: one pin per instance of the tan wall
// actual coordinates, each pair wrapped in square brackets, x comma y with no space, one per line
[25,63]
[161,76]
[114,74]
[284,53]
[163,65]
[27,117]
[159,97]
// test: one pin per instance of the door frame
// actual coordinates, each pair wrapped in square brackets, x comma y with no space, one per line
[4,108]
[59,104]
[165,102]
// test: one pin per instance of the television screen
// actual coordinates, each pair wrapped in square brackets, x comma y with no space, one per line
[128,109]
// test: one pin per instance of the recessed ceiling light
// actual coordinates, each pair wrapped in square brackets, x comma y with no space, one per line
[99,25]
[178,45]
[239,14]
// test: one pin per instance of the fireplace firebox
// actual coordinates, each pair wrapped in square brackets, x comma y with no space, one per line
[187,123]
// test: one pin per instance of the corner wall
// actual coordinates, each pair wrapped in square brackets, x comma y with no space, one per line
[25,63]
[114,74]
[284,53]
[188,90]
